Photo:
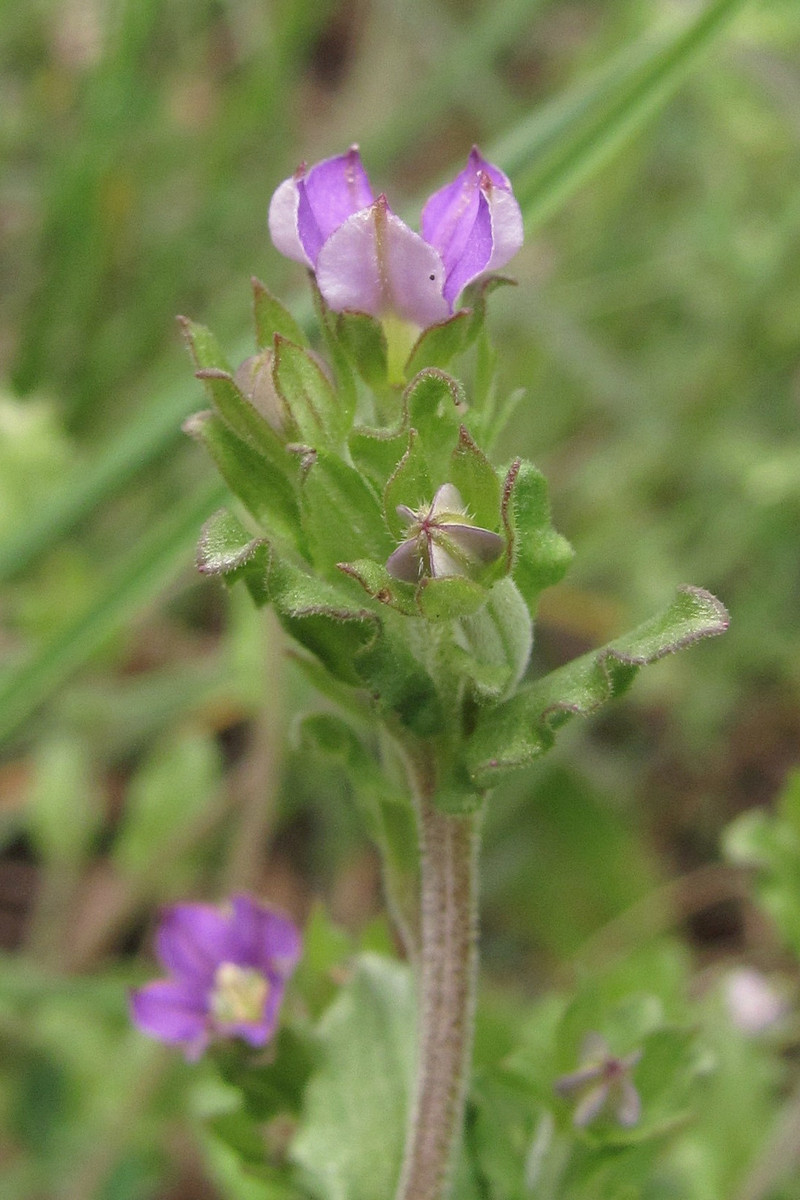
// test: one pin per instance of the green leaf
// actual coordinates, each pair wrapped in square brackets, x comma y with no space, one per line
[476,480]
[365,342]
[263,485]
[376,452]
[539,555]
[437,344]
[320,416]
[383,587]
[271,317]
[321,617]
[449,597]
[226,548]
[341,514]
[203,346]
[227,397]
[435,403]
[350,1142]
[410,484]
[513,734]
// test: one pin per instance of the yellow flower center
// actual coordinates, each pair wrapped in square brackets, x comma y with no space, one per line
[239,994]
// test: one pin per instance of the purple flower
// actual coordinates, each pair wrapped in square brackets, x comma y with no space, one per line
[602,1083]
[365,258]
[442,540]
[227,974]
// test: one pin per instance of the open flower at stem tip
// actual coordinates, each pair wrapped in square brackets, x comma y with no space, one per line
[366,259]
[228,969]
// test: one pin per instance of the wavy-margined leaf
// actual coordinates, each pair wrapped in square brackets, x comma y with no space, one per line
[512,735]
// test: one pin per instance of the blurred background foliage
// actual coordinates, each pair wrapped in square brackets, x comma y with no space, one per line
[147,718]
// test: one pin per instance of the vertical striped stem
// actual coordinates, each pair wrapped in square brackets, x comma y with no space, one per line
[447,985]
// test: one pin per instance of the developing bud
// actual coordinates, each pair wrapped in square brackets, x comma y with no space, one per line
[254,379]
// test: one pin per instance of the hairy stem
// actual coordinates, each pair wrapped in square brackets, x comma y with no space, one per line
[447,983]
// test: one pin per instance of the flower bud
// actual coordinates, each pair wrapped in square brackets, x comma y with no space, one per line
[254,380]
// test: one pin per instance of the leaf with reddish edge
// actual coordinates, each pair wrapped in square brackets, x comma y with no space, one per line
[512,735]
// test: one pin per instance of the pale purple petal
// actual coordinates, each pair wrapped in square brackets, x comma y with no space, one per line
[629,1109]
[281,945]
[450,213]
[443,563]
[474,222]
[374,263]
[447,499]
[479,545]
[192,940]
[405,563]
[578,1079]
[168,1011]
[306,208]
[265,939]
[282,219]
[330,193]
[590,1106]
[507,230]
[476,256]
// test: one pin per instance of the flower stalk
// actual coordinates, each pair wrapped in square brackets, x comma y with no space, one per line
[446,989]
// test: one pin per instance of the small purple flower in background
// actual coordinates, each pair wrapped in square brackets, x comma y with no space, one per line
[441,540]
[603,1083]
[366,259]
[228,969]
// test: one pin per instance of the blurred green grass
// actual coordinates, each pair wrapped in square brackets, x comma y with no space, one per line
[657,332]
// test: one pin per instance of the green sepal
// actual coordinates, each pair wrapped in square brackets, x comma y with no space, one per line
[345,379]
[512,735]
[262,485]
[449,597]
[377,452]
[475,297]
[364,341]
[383,587]
[203,346]
[228,399]
[226,548]
[439,343]
[271,317]
[539,557]
[341,514]
[497,642]
[410,484]
[435,403]
[319,416]
[477,481]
